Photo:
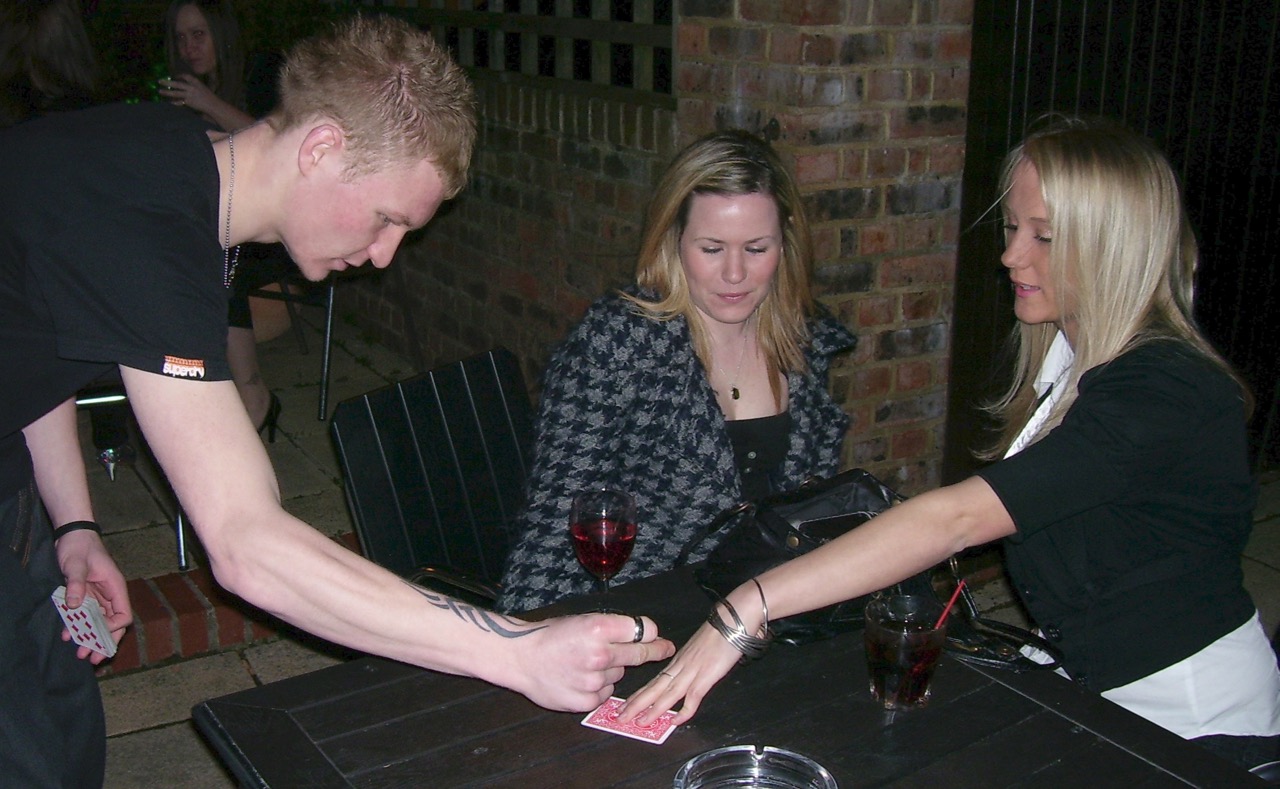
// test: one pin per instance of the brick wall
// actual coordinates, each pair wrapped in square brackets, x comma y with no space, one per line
[550,220]
[866,98]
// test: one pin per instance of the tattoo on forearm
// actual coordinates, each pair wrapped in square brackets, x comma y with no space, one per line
[485,620]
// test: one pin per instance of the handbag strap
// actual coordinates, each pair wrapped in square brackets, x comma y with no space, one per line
[1016,637]
[717,524]
[728,514]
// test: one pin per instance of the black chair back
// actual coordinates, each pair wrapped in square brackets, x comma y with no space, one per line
[435,466]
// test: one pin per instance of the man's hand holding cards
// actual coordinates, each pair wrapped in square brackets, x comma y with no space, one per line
[87,624]
[605,718]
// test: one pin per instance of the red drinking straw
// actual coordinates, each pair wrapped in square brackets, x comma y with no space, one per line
[950,603]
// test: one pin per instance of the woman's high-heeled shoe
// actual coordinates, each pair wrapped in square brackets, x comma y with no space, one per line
[271,419]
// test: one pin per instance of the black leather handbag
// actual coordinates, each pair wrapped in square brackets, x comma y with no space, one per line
[753,537]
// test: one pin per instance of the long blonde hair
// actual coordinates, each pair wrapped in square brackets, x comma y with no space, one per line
[730,163]
[1122,261]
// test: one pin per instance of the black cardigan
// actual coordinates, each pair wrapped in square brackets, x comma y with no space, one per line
[1132,515]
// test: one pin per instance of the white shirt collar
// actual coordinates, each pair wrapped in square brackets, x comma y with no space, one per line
[1054,371]
[1057,364]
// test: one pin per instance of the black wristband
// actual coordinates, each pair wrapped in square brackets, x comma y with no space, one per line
[67,528]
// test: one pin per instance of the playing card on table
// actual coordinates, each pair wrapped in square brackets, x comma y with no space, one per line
[87,624]
[605,718]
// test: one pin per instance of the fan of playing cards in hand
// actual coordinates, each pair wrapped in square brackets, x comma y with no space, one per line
[86,624]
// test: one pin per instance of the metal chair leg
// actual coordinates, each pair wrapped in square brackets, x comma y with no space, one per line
[328,351]
[179,526]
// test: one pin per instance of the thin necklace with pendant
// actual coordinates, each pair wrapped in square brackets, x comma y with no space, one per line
[733,385]
[230,259]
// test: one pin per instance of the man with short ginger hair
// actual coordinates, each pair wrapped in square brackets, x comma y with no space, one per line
[118,228]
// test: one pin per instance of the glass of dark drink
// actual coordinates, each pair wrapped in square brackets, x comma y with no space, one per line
[602,526]
[903,643]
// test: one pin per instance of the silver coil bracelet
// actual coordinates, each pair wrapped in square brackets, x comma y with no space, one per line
[751,647]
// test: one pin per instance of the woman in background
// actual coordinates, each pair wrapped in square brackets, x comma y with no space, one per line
[46,62]
[1124,495]
[703,384]
[207,64]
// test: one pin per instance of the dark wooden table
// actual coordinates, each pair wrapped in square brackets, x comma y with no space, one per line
[375,723]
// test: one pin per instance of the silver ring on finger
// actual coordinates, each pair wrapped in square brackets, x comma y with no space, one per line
[639,634]
[666,674]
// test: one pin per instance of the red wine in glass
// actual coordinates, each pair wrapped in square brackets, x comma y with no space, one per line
[602,527]
[603,546]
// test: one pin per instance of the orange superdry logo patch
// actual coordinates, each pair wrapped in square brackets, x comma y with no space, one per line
[178,367]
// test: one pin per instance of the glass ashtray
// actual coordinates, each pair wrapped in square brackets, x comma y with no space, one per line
[743,765]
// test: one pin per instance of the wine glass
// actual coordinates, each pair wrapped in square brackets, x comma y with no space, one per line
[602,525]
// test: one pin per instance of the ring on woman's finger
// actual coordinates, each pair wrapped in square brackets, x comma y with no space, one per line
[639,634]
[666,674]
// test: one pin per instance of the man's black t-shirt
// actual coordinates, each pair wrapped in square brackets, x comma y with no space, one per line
[109,254]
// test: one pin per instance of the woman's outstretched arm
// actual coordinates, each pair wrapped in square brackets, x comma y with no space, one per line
[911,537]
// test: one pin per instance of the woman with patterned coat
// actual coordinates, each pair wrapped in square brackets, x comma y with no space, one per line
[703,385]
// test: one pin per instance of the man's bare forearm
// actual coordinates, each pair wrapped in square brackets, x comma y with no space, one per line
[486,621]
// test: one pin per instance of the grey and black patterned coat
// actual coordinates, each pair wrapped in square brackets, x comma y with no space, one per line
[627,405]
